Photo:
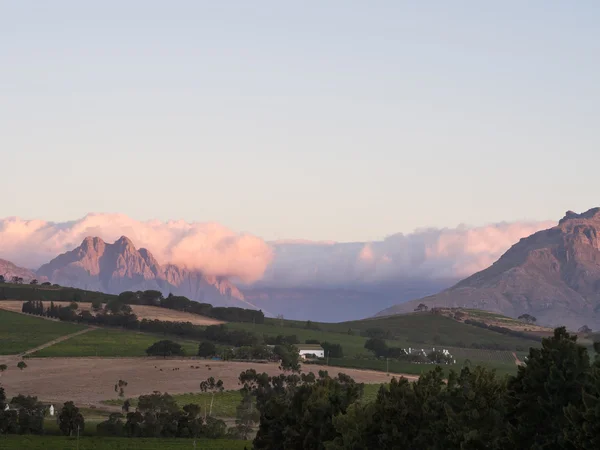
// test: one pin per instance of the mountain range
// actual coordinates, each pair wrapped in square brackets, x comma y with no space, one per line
[114,268]
[553,275]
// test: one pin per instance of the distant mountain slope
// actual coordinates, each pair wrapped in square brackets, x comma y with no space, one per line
[114,268]
[553,274]
[9,270]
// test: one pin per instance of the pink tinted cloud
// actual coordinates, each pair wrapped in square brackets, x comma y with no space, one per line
[207,247]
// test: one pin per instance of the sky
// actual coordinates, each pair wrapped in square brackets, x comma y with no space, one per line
[334,120]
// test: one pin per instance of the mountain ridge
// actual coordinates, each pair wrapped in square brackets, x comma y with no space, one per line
[120,266]
[553,274]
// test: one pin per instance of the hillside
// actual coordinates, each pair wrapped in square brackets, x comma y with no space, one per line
[141,311]
[419,330]
[19,332]
[114,268]
[553,275]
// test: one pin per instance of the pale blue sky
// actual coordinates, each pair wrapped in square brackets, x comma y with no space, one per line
[344,120]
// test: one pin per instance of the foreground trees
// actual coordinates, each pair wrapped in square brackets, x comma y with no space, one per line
[158,416]
[552,403]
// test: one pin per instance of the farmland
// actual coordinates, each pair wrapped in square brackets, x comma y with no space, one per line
[12,442]
[89,381]
[19,332]
[465,342]
[109,342]
[141,311]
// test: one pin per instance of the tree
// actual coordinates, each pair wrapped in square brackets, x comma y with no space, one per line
[288,356]
[247,415]
[111,427]
[126,406]
[17,280]
[377,346]
[422,307]
[212,386]
[527,318]
[333,350]
[165,348]
[157,403]
[97,305]
[297,411]
[2,279]
[33,282]
[3,367]
[21,365]
[70,420]
[551,380]
[120,387]
[207,349]
[30,417]
[584,329]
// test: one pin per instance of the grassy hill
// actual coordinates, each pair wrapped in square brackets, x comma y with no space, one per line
[19,332]
[467,343]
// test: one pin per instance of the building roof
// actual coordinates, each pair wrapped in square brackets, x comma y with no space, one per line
[309,347]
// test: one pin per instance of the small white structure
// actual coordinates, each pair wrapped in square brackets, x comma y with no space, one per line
[7,408]
[310,349]
[52,410]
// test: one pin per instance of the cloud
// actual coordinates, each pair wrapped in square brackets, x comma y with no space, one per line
[449,253]
[208,247]
[426,254]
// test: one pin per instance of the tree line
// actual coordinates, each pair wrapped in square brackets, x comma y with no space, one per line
[53,292]
[25,415]
[181,303]
[553,402]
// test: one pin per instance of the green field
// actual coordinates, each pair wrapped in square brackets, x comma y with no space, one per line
[19,332]
[12,442]
[109,342]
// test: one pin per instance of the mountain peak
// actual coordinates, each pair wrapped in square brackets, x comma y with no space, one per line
[553,274]
[590,214]
[118,267]
[124,240]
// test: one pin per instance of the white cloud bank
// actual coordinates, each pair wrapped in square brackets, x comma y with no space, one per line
[216,250]
[426,254]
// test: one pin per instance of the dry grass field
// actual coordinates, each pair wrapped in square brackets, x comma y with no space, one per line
[88,381]
[143,312]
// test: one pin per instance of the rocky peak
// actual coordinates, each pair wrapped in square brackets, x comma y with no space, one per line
[118,267]
[573,218]
[92,244]
[553,274]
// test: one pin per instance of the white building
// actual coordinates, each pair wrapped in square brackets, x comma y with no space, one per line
[310,349]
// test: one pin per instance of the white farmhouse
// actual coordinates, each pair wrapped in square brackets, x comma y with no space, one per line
[310,349]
